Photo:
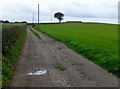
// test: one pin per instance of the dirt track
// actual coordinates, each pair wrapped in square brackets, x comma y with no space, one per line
[46,54]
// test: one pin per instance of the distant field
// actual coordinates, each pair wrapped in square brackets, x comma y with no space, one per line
[97,42]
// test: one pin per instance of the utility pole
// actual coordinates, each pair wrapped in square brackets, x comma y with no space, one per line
[38,15]
[33,19]
[51,19]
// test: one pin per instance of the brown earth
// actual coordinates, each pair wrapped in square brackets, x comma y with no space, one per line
[47,54]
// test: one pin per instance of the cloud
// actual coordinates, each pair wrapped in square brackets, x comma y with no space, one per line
[87,10]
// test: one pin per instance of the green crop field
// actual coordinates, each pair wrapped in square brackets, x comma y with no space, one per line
[96,41]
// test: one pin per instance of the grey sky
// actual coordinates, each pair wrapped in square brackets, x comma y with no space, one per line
[84,10]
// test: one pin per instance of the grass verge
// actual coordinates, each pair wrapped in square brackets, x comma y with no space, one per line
[38,35]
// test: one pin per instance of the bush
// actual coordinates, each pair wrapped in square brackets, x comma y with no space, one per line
[13,37]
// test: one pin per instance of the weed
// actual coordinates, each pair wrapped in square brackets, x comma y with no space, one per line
[61,68]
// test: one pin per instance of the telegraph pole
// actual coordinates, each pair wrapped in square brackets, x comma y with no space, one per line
[33,19]
[51,19]
[38,15]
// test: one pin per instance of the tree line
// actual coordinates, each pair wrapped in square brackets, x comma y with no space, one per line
[7,21]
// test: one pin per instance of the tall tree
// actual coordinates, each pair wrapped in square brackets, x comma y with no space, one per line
[59,16]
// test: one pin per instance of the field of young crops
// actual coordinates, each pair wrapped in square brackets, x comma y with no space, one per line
[13,37]
[96,41]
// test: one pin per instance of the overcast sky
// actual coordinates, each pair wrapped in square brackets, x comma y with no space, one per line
[83,10]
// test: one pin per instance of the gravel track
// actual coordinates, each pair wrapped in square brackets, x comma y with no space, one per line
[46,54]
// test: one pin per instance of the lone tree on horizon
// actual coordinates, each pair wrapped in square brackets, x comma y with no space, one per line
[59,16]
